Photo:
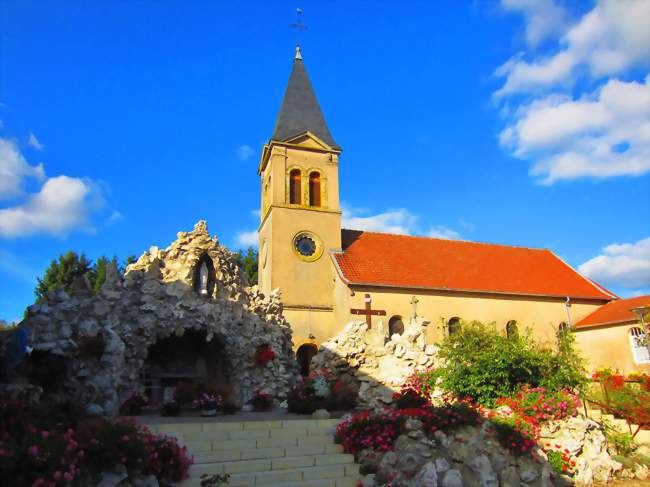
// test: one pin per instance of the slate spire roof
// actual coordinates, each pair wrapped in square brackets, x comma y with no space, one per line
[300,110]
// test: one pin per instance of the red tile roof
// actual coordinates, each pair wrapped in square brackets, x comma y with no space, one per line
[418,262]
[615,312]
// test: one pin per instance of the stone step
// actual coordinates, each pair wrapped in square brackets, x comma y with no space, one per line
[291,433]
[298,453]
[234,454]
[340,482]
[342,475]
[272,463]
[221,426]
[643,436]
[305,441]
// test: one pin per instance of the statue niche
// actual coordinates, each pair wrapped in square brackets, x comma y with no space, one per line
[204,280]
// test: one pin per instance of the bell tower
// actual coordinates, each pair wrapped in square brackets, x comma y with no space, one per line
[300,211]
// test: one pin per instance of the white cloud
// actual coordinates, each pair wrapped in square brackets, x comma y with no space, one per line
[544,18]
[397,221]
[600,135]
[245,152]
[608,40]
[400,221]
[62,204]
[443,232]
[625,265]
[59,205]
[14,169]
[247,239]
[568,131]
[114,217]
[34,142]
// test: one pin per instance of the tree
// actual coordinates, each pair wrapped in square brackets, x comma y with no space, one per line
[248,263]
[62,272]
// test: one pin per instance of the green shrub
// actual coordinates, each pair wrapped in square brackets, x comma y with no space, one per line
[538,405]
[560,462]
[482,364]
[621,442]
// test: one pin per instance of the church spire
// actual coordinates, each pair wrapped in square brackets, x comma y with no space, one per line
[300,110]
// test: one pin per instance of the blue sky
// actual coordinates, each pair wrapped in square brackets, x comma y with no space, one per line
[523,122]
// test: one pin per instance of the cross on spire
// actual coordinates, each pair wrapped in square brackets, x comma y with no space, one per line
[298,25]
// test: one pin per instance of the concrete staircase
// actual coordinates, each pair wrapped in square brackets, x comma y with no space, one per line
[642,437]
[279,453]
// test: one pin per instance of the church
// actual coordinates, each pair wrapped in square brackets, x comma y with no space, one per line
[329,276]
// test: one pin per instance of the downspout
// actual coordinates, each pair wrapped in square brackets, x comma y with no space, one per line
[567,304]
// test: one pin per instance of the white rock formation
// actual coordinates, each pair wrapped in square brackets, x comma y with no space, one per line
[164,293]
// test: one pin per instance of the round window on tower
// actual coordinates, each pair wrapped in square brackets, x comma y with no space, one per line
[307,246]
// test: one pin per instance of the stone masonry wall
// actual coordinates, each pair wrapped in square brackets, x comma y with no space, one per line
[158,298]
[376,363]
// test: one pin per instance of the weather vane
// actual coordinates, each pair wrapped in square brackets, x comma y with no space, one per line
[298,25]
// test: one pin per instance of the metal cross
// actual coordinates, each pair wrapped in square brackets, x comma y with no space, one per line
[298,25]
[368,311]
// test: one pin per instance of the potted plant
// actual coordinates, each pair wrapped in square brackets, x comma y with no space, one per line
[209,404]
[134,403]
[262,401]
[263,355]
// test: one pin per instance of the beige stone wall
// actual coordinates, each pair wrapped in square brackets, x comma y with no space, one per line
[304,284]
[609,346]
[305,322]
[542,315]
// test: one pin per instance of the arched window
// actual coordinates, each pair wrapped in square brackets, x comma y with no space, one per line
[453,325]
[314,189]
[304,354]
[294,187]
[511,329]
[395,325]
[640,345]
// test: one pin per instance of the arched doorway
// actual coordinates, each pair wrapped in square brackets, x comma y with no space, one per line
[304,354]
[189,358]
[395,326]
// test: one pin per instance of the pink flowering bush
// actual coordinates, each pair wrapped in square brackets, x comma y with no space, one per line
[36,450]
[515,434]
[370,431]
[379,431]
[538,405]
